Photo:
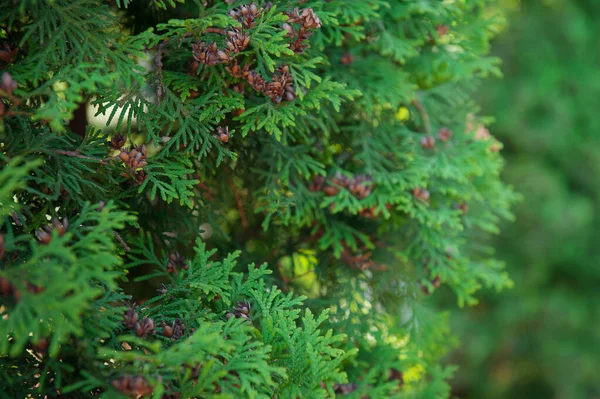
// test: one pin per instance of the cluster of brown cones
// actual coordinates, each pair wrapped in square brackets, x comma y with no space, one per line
[135,160]
[176,262]
[359,185]
[307,22]
[45,233]
[135,386]
[237,40]
[142,327]
[241,311]
[175,331]
[279,87]
[222,134]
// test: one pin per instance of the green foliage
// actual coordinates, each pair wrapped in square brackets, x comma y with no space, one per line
[333,142]
[541,340]
[278,352]
[85,261]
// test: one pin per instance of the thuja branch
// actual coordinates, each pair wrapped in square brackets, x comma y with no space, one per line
[239,203]
[81,156]
[424,115]
[122,242]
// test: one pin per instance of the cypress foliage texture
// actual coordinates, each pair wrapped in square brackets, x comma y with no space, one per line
[273,192]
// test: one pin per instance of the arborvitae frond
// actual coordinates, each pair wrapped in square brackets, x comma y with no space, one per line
[82,261]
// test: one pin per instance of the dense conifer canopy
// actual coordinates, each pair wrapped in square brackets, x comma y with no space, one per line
[272,193]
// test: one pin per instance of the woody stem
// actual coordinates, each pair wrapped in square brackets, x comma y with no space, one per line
[424,115]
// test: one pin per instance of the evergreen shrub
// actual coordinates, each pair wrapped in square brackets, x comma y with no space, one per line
[274,191]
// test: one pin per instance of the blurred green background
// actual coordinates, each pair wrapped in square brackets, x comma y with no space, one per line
[541,339]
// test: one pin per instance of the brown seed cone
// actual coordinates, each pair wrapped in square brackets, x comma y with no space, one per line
[45,234]
[256,81]
[368,213]
[60,226]
[132,385]
[167,330]
[237,40]
[238,71]
[41,345]
[117,142]
[162,290]
[34,289]
[7,53]
[289,29]
[130,318]
[139,177]
[238,88]
[347,59]
[340,180]
[444,134]
[427,142]
[280,88]
[135,159]
[246,14]
[436,284]
[206,54]
[396,375]
[345,388]
[222,133]
[241,311]
[145,327]
[124,156]
[176,262]
[178,329]
[305,18]
[442,30]
[331,190]
[6,288]
[7,83]
[360,261]
[317,183]
[421,194]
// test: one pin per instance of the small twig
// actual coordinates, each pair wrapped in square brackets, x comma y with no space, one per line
[207,191]
[78,155]
[283,278]
[16,100]
[238,201]
[210,29]
[424,115]
[122,242]
[16,219]
[10,112]
[214,30]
